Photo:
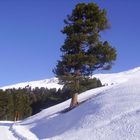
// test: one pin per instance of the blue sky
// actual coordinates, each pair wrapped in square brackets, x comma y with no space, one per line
[30,36]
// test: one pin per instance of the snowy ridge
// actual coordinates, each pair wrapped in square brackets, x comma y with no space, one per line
[110,113]
[47,83]
[116,78]
[107,79]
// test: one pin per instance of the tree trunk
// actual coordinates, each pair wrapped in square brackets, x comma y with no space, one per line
[74,100]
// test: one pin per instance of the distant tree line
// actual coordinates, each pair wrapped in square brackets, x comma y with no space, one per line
[27,101]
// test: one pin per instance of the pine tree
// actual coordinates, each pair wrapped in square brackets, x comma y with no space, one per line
[3,105]
[83,51]
[10,106]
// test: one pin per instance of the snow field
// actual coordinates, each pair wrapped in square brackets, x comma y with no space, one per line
[110,113]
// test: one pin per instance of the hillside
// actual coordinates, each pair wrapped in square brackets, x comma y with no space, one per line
[47,83]
[107,79]
[110,113]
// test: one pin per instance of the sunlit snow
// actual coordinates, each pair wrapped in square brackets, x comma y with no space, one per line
[111,112]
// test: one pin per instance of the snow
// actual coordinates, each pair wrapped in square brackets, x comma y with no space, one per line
[109,113]
[5,133]
[47,83]
[116,78]
[107,79]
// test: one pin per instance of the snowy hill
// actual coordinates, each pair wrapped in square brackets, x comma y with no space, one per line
[47,83]
[107,79]
[109,113]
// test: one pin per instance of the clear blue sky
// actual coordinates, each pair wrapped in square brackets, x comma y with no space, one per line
[30,36]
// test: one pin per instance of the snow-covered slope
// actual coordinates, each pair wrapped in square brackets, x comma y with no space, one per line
[117,78]
[109,113]
[5,134]
[47,83]
[107,79]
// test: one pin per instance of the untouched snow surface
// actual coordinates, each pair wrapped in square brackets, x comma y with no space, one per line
[47,83]
[107,79]
[109,113]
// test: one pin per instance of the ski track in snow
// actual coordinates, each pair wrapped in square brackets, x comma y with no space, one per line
[5,132]
[109,113]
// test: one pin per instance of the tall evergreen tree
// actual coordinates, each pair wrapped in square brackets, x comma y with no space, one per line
[83,51]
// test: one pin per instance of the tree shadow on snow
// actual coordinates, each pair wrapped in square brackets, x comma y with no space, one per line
[59,124]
